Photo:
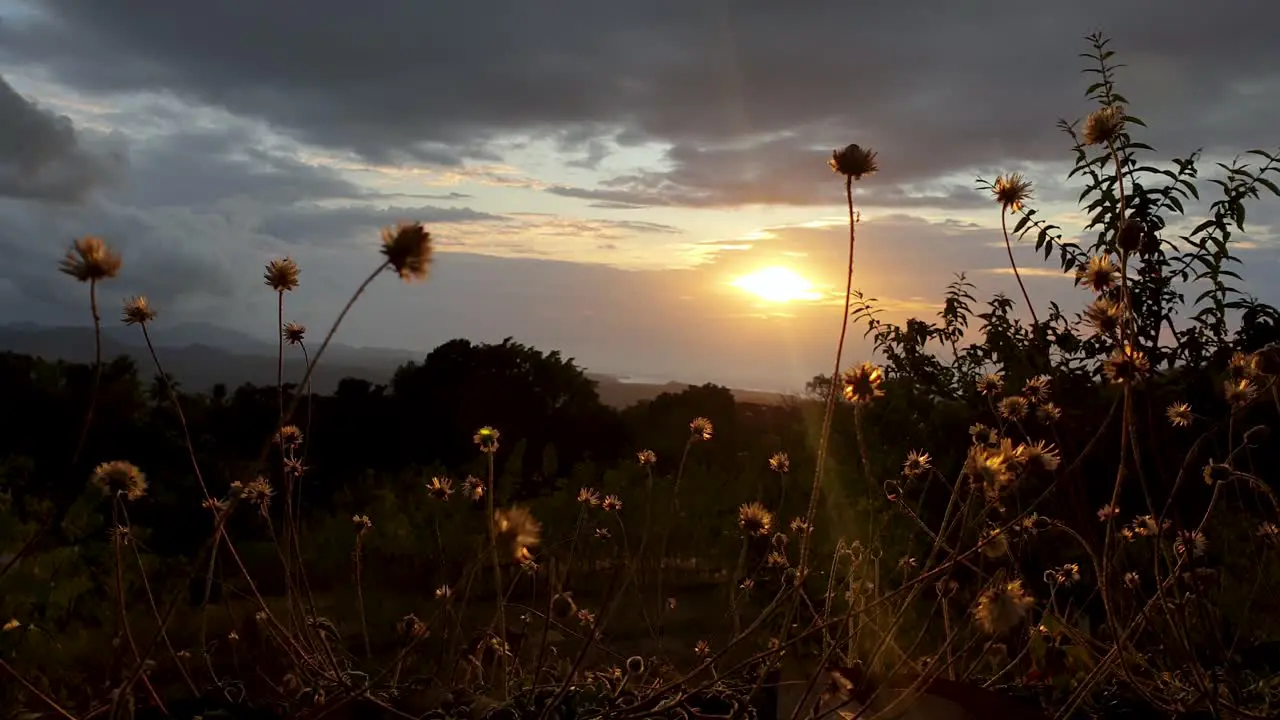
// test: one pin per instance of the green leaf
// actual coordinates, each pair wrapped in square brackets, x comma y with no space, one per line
[1268,185]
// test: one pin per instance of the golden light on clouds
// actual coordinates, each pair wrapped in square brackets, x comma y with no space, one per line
[777,284]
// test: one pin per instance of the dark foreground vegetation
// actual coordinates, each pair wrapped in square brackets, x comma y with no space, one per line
[1073,516]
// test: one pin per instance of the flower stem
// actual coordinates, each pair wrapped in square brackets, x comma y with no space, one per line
[1004,226]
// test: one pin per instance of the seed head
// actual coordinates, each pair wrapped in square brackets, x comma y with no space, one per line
[1011,191]
[473,488]
[258,492]
[120,477]
[853,162]
[90,259]
[754,519]
[487,438]
[293,333]
[611,503]
[701,428]
[282,274]
[1104,125]
[517,527]
[862,384]
[1014,407]
[440,488]
[1104,315]
[917,464]
[137,311]
[780,463]
[1127,365]
[646,458]
[1002,607]
[1100,274]
[1179,414]
[408,249]
[991,384]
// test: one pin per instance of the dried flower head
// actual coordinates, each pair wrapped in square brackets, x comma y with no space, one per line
[1048,413]
[702,649]
[994,468]
[487,438]
[120,477]
[1011,191]
[1065,575]
[411,627]
[1179,414]
[777,559]
[799,526]
[754,519]
[12,624]
[1242,366]
[1132,580]
[1106,512]
[1190,542]
[89,259]
[611,503]
[282,274]
[258,492]
[1214,473]
[1239,393]
[1041,456]
[995,544]
[1100,274]
[991,384]
[589,496]
[408,250]
[1103,125]
[1127,365]
[701,428]
[603,533]
[293,333]
[1014,407]
[1104,316]
[473,488]
[1036,389]
[517,527]
[646,458]
[780,463]
[1003,607]
[586,617]
[440,488]
[862,383]
[917,463]
[362,522]
[289,436]
[983,435]
[137,311]
[853,161]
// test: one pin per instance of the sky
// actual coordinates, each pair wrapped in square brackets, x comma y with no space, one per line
[598,176]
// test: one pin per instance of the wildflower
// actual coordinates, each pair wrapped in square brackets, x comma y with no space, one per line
[995,544]
[1106,512]
[603,533]
[137,311]
[1014,407]
[1215,473]
[586,617]
[799,527]
[916,464]
[853,162]
[120,477]
[1011,191]
[473,488]
[1100,275]
[90,259]
[293,333]
[702,649]
[1268,529]
[1179,414]
[1190,542]
[487,438]
[13,624]
[776,559]
[701,428]
[362,522]
[1242,366]
[1002,607]
[294,467]
[589,496]
[1126,366]
[443,592]
[519,528]
[1036,389]
[258,492]
[646,458]
[754,519]
[1239,392]
[289,436]
[983,435]
[1132,580]
[1104,315]
[611,503]
[1041,456]
[440,488]
[1048,413]
[1066,575]
[282,274]
[1103,125]
[991,384]
[862,383]
[408,250]
[1034,523]
[780,463]
[992,468]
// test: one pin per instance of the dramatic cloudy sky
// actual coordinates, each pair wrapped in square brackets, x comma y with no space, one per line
[597,173]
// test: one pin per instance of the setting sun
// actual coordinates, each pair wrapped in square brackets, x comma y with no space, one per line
[777,284]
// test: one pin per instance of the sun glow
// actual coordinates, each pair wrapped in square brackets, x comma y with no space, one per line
[777,284]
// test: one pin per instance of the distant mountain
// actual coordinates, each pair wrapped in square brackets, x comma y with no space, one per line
[201,355]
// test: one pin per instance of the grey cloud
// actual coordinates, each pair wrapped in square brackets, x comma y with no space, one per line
[41,156]
[935,87]
[316,224]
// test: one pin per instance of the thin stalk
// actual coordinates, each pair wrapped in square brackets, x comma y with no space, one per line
[364,625]
[97,372]
[497,580]
[35,691]
[1004,226]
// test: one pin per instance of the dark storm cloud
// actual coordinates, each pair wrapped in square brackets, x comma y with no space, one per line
[41,157]
[750,95]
